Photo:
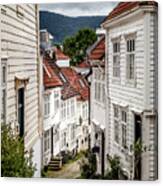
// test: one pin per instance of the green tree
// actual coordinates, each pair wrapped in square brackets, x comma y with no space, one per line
[75,47]
[88,166]
[115,169]
[14,161]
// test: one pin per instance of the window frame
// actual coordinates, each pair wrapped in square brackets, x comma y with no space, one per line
[120,125]
[116,124]
[3,89]
[116,55]
[124,128]
[130,54]
[56,102]
[46,105]
[46,141]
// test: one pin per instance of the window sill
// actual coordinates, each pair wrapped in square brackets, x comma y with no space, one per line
[116,80]
[131,83]
[46,117]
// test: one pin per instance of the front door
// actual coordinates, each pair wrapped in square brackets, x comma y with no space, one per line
[138,133]
[21,111]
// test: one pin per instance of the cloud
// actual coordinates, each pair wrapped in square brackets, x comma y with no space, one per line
[80,9]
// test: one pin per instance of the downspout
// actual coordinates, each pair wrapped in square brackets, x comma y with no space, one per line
[39,79]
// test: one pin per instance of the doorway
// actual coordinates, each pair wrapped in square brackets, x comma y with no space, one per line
[138,137]
[21,111]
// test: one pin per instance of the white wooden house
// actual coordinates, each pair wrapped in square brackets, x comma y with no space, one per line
[20,75]
[131,81]
[63,103]
[96,59]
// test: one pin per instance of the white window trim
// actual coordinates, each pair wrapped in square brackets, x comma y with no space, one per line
[46,141]
[119,144]
[130,82]
[4,88]
[47,105]
[56,102]
[124,123]
[99,83]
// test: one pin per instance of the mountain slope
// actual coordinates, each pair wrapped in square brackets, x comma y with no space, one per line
[61,26]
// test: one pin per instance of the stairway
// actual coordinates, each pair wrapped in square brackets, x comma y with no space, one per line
[55,164]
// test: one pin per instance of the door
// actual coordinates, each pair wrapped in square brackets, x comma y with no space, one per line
[21,111]
[138,136]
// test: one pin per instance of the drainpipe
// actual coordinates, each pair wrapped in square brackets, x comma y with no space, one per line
[40,84]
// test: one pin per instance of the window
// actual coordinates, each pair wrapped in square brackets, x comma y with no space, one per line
[63,109]
[56,101]
[19,11]
[103,93]
[56,135]
[68,108]
[4,81]
[63,139]
[47,105]
[3,11]
[130,59]
[95,90]
[85,111]
[120,125]
[3,74]
[116,124]
[46,141]
[72,107]
[124,129]
[116,59]
[3,112]
[73,132]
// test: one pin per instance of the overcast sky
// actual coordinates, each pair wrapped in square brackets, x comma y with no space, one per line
[80,9]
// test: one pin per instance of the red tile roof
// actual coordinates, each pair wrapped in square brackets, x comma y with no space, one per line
[65,77]
[60,55]
[125,6]
[98,52]
[68,91]
[49,75]
[78,82]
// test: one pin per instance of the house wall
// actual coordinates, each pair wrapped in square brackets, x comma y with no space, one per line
[66,125]
[51,122]
[136,97]
[83,127]
[97,112]
[19,45]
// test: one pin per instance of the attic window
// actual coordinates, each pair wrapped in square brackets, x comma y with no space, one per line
[3,11]
[19,11]
[62,77]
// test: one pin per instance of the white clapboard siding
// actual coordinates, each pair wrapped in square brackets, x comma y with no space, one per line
[19,43]
[138,97]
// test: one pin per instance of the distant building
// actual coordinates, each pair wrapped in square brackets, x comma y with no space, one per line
[20,75]
[62,60]
[65,111]
[96,59]
[132,87]
[46,39]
